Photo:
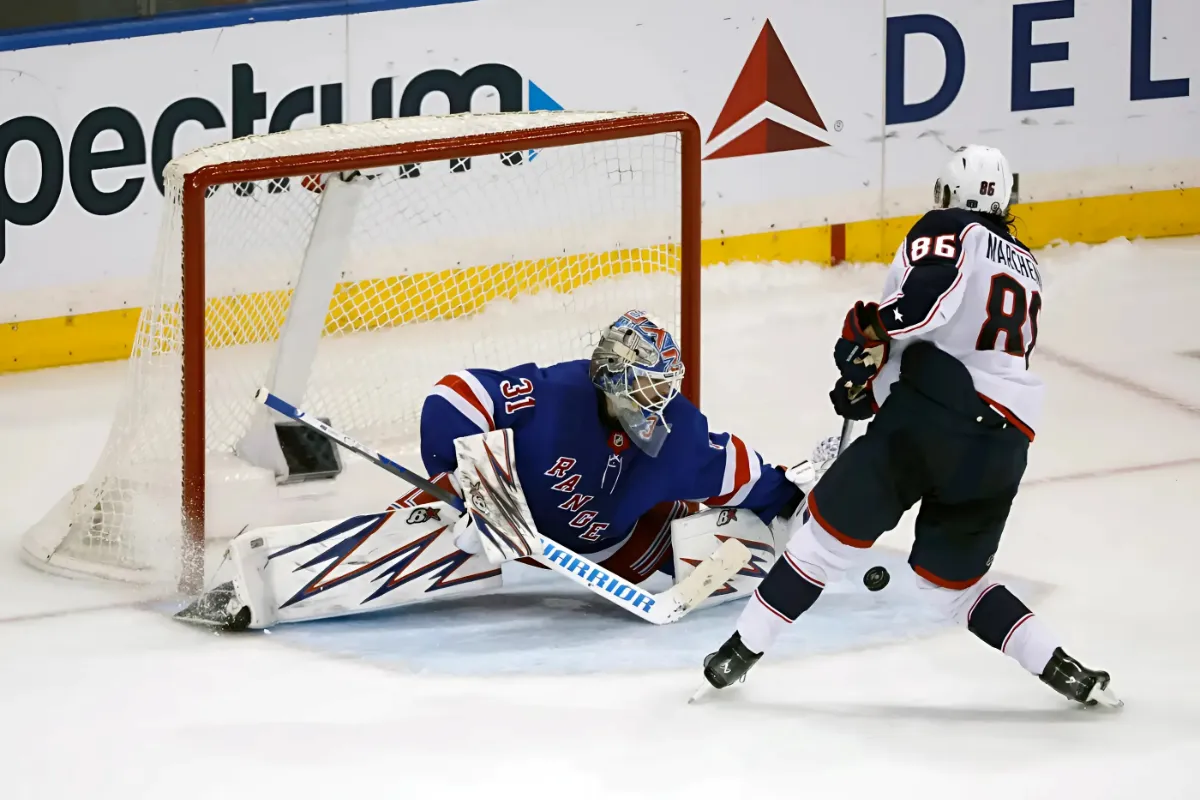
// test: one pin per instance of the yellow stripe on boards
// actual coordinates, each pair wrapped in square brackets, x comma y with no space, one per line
[369,304]
[876,240]
[801,244]
[1092,220]
[355,306]
[61,341]
[387,302]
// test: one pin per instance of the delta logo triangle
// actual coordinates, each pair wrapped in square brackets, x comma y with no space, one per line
[768,81]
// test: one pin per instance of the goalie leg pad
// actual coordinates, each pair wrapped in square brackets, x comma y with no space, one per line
[696,537]
[291,573]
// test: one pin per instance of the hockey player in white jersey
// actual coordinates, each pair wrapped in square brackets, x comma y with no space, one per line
[943,363]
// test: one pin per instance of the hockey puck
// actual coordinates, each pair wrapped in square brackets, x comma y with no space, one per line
[876,578]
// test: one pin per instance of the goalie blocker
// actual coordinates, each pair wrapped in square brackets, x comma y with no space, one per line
[417,551]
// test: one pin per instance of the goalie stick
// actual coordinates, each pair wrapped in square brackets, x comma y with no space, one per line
[661,608]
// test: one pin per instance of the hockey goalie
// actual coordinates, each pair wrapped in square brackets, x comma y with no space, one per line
[603,456]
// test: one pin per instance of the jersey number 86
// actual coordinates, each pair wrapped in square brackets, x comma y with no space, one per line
[1008,308]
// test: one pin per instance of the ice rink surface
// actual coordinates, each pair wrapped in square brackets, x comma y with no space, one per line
[101,696]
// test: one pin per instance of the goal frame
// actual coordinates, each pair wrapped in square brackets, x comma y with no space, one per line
[192,301]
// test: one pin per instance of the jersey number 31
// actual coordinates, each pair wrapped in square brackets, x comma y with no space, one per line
[512,391]
[1008,308]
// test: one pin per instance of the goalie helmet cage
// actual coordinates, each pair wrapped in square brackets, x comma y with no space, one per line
[326,262]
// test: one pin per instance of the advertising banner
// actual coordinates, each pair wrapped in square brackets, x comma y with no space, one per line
[815,115]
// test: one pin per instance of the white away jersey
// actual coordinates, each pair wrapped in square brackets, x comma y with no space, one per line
[962,282]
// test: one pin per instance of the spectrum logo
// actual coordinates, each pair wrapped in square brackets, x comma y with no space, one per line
[70,159]
[769,105]
[513,91]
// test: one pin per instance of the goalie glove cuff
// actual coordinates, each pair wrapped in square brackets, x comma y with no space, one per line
[804,475]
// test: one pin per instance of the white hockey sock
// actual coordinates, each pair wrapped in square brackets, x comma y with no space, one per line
[1002,621]
[795,582]
[1031,643]
[760,625]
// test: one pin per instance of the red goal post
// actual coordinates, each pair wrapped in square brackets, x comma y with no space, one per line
[633,176]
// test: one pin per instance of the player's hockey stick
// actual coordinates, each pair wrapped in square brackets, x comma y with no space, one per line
[847,432]
[664,607]
[876,577]
[871,357]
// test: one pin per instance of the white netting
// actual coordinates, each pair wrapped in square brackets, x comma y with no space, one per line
[515,257]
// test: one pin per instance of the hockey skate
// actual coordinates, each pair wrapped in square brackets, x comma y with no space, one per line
[219,607]
[1076,682]
[727,666]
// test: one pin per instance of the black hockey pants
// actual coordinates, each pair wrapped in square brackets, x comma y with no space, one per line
[957,456]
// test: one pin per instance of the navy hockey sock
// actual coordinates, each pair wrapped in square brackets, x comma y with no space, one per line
[789,589]
[787,592]
[1004,622]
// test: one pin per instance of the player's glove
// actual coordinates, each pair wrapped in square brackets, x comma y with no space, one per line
[857,353]
[851,402]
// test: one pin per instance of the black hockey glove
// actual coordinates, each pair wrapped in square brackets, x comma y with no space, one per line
[858,406]
[857,353]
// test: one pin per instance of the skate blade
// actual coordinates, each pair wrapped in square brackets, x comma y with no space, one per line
[1106,699]
[701,693]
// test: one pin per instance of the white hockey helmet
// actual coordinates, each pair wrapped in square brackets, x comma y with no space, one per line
[976,178]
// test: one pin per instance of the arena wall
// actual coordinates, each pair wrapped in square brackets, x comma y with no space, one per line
[825,122]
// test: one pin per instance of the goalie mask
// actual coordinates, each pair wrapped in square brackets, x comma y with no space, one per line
[639,368]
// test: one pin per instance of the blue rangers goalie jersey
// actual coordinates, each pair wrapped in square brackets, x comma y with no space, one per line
[586,483]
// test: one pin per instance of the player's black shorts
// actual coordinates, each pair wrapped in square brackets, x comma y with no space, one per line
[964,472]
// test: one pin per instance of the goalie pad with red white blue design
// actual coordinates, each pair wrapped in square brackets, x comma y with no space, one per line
[335,568]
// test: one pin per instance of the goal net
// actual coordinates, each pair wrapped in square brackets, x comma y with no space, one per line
[348,268]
